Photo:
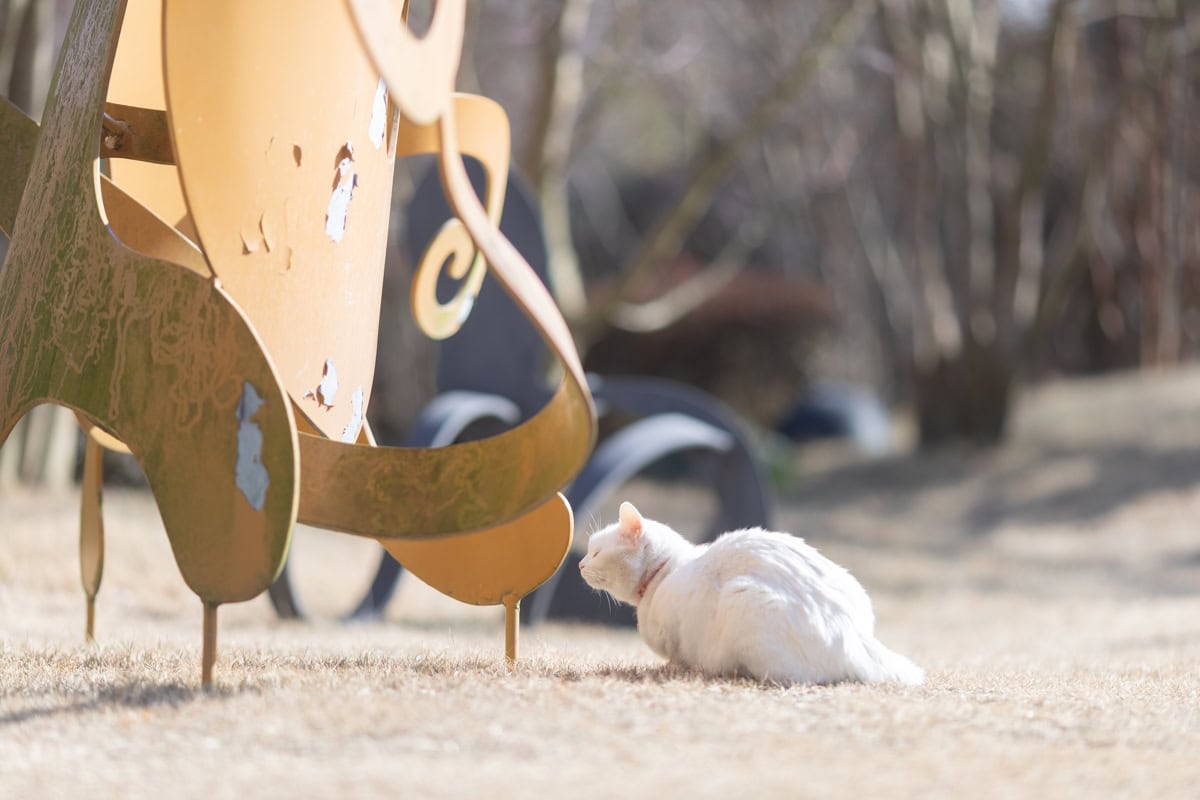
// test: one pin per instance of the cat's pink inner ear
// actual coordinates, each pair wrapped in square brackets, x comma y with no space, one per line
[630,522]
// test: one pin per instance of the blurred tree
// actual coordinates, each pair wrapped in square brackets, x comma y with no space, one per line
[633,120]
[991,190]
[978,192]
[1014,151]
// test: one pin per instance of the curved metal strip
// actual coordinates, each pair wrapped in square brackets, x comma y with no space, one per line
[399,55]
[485,137]
[488,567]
[506,264]
[395,492]
[154,352]
[439,424]
[474,485]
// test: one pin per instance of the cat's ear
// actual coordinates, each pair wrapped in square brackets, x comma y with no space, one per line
[630,523]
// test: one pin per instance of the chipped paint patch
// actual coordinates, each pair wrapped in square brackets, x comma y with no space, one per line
[327,388]
[350,433]
[379,116]
[343,190]
[267,235]
[252,477]
[249,244]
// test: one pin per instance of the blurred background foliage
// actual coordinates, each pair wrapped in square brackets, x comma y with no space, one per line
[938,201]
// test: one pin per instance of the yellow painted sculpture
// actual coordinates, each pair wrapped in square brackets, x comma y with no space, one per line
[213,307]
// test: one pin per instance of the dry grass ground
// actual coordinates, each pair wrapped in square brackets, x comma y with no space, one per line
[1051,589]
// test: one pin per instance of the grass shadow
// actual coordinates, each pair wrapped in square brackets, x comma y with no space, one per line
[126,694]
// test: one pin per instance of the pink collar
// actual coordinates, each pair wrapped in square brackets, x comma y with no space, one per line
[645,584]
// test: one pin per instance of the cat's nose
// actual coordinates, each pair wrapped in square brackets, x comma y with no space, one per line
[581,566]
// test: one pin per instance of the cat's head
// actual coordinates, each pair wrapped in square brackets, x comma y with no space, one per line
[616,556]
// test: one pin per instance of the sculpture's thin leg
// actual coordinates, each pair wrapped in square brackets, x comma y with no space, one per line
[91,529]
[512,622]
[209,656]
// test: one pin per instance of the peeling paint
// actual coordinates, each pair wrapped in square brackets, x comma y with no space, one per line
[343,190]
[252,477]
[249,244]
[379,116]
[327,388]
[350,433]
[267,236]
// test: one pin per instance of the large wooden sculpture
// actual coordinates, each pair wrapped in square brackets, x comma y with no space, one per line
[218,316]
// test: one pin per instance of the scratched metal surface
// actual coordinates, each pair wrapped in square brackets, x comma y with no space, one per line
[153,351]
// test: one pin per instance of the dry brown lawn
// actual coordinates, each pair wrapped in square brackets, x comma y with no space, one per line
[1051,589]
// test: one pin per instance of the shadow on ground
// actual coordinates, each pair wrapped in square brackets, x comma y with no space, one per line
[1055,484]
[132,693]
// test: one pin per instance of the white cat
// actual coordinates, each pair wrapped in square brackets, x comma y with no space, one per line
[753,602]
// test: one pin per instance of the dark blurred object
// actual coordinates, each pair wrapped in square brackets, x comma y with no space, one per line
[749,344]
[833,410]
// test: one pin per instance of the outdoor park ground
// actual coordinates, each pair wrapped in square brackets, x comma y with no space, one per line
[1051,589]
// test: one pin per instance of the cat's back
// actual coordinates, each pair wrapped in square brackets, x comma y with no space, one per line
[788,566]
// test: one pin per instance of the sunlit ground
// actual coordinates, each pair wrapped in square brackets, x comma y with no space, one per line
[1050,588]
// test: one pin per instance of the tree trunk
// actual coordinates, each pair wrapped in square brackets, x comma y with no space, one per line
[964,397]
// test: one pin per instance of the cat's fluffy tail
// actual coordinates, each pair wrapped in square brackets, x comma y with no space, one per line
[880,664]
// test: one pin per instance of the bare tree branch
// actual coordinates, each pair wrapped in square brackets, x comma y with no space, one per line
[565,93]
[975,29]
[679,301]
[1026,207]
[841,24]
[918,96]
